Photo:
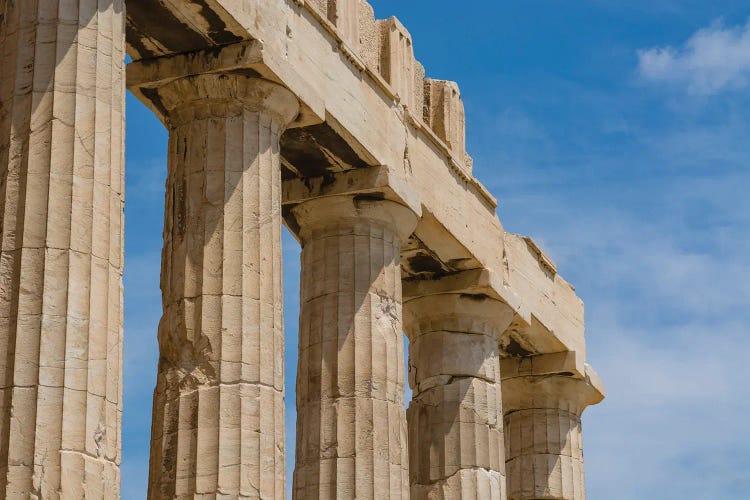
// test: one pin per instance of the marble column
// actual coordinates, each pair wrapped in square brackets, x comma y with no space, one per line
[351,424]
[218,423]
[455,416]
[61,254]
[543,441]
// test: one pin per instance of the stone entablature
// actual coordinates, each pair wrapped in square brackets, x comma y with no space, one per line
[310,113]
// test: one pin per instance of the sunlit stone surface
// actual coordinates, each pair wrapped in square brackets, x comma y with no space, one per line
[61,253]
[308,113]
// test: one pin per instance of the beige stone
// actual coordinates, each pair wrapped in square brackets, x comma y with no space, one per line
[444,113]
[351,427]
[543,399]
[308,112]
[61,212]
[218,407]
[455,417]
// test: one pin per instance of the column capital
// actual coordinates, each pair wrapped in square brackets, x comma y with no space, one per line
[248,58]
[556,380]
[474,301]
[473,281]
[453,335]
[318,214]
[456,312]
[224,94]
[380,181]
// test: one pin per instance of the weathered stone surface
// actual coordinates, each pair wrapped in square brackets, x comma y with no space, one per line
[378,187]
[455,416]
[363,94]
[218,424]
[543,399]
[444,113]
[351,90]
[351,427]
[61,221]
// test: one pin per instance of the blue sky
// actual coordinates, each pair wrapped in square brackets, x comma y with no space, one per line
[616,133]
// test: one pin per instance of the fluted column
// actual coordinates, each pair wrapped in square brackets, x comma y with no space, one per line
[218,424]
[351,424]
[61,221]
[455,416]
[543,440]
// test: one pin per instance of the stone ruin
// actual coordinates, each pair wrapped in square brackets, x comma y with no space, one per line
[308,113]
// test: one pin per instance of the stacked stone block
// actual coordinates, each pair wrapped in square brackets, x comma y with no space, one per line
[61,253]
[386,49]
[455,416]
[351,426]
[218,424]
[542,412]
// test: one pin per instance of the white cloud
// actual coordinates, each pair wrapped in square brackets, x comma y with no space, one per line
[714,59]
